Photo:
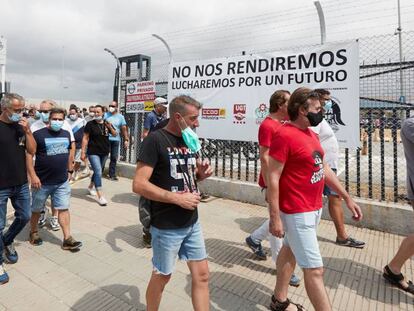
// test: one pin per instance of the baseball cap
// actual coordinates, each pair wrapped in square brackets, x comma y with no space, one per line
[161,100]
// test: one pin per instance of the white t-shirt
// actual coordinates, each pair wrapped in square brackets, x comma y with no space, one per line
[329,143]
[39,124]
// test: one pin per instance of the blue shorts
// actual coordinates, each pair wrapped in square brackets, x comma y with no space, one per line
[167,244]
[301,238]
[328,191]
[59,194]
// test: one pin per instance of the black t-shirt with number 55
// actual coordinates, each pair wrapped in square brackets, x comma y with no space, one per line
[157,152]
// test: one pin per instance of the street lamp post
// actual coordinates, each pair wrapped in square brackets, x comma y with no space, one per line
[119,68]
[322,24]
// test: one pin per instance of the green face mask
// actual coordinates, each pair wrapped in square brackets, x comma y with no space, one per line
[190,138]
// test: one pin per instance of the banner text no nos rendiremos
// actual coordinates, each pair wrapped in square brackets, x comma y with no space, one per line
[235,91]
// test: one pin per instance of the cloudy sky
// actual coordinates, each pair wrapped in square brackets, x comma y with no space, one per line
[55,48]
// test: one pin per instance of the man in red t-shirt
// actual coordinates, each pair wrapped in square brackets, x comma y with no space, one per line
[277,116]
[296,177]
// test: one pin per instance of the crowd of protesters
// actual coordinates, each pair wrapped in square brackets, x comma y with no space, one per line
[43,151]
[42,154]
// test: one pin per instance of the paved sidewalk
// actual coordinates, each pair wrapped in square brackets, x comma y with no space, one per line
[112,269]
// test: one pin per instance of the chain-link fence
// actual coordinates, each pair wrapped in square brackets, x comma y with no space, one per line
[376,170]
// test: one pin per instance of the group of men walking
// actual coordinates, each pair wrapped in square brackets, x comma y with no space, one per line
[298,153]
[44,152]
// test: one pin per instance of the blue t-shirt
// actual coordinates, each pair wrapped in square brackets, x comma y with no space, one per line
[152,120]
[117,120]
[52,156]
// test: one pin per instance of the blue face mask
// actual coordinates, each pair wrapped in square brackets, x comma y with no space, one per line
[56,125]
[45,116]
[328,105]
[98,118]
[15,117]
[37,115]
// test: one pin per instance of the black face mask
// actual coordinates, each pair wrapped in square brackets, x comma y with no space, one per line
[315,118]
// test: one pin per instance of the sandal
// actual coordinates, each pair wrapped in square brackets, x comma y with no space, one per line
[277,305]
[396,279]
[35,239]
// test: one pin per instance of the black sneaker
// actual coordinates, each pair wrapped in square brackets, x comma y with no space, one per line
[256,248]
[10,254]
[113,178]
[71,244]
[350,242]
[146,238]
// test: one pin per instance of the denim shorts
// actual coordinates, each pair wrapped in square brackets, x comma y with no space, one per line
[328,191]
[59,194]
[300,236]
[167,244]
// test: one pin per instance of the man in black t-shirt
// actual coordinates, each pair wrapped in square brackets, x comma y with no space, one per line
[53,168]
[15,140]
[167,173]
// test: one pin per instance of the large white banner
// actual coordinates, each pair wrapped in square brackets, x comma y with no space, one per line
[235,91]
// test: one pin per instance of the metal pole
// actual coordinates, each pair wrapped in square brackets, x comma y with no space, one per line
[399,30]
[166,45]
[119,66]
[321,21]
[3,51]
[3,78]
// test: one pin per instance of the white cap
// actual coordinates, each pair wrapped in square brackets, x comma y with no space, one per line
[161,100]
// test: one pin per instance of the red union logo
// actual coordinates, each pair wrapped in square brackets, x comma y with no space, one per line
[239,108]
[239,113]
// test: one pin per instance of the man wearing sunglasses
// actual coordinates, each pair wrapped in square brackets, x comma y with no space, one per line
[15,140]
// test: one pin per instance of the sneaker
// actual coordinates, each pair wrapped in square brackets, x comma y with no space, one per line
[350,242]
[146,238]
[4,277]
[102,201]
[113,178]
[71,244]
[54,223]
[42,219]
[35,239]
[204,197]
[92,191]
[10,254]
[294,280]
[256,248]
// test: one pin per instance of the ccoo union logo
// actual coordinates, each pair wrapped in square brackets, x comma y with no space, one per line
[213,113]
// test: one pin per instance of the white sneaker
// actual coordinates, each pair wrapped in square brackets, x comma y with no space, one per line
[102,201]
[92,191]
[42,219]
[54,223]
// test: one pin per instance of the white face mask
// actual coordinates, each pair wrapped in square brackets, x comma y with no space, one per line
[112,109]
[92,114]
